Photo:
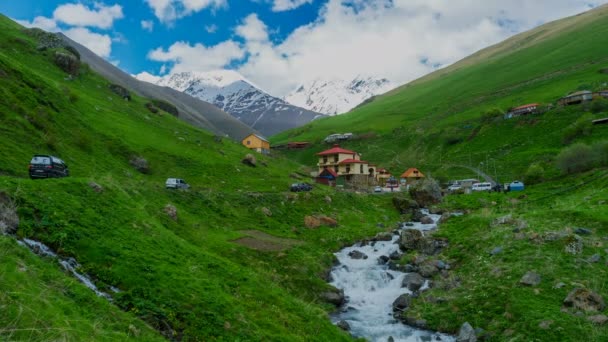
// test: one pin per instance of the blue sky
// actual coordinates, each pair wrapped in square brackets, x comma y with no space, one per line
[279,44]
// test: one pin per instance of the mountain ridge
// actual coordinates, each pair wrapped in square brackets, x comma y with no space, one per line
[231,92]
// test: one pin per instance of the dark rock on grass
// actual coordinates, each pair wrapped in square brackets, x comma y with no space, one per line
[120,91]
[96,187]
[598,319]
[166,106]
[574,245]
[380,225]
[595,258]
[530,279]
[442,265]
[140,164]
[507,219]
[412,281]
[343,325]
[335,297]
[402,303]
[357,255]
[466,333]
[583,231]
[151,108]
[496,250]
[249,160]
[545,325]
[585,300]
[171,211]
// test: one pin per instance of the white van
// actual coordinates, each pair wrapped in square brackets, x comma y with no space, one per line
[176,183]
[485,186]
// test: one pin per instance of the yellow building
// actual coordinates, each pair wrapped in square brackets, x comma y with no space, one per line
[257,143]
[343,162]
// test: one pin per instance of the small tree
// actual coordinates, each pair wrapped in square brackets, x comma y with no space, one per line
[534,174]
[575,158]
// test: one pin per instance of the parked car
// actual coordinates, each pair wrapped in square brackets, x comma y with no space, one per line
[483,186]
[46,166]
[454,187]
[377,188]
[295,187]
[176,183]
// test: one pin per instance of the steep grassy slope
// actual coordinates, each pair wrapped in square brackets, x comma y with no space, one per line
[450,117]
[186,277]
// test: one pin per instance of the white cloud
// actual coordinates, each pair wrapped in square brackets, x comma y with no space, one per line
[198,57]
[47,24]
[252,29]
[147,25]
[101,16]
[100,44]
[397,39]
[287,5]
[147,77]
[167,11]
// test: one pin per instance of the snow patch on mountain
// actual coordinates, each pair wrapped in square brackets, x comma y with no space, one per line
[337,96]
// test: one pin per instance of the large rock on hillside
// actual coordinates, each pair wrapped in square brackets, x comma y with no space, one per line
[401,303]
[426,192]
[67,62]
[335,297]
[585,300]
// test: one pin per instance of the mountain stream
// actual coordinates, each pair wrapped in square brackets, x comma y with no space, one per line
[370,288]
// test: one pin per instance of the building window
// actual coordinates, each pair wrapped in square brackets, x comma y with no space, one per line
[348,169]
[336,168]
[361,168]
[324,160]
[335,158]
[248,142]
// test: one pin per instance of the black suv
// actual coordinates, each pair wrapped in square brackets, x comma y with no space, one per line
[295,187]
[45,166]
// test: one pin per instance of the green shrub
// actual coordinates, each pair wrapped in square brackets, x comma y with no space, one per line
[575,158]
[534,174]
[600,152]
[599,105]
[580,128]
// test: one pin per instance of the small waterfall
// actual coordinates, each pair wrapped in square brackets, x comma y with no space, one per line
[371,288]
[69,264]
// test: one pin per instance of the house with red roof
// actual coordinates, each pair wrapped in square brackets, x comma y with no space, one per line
[343,163]
[531,108]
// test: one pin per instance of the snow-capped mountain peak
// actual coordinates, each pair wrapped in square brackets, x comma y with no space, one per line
[337,96]
[234,94]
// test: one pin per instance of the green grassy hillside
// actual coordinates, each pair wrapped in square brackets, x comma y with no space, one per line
[453,116]
[237,263]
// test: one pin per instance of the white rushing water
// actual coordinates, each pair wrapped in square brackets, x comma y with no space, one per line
[371,288]
[68,264]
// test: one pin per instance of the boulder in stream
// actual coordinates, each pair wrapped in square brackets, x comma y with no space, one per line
[357,255]
[402,303]
[412,281]
[335,297]
[466,333]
